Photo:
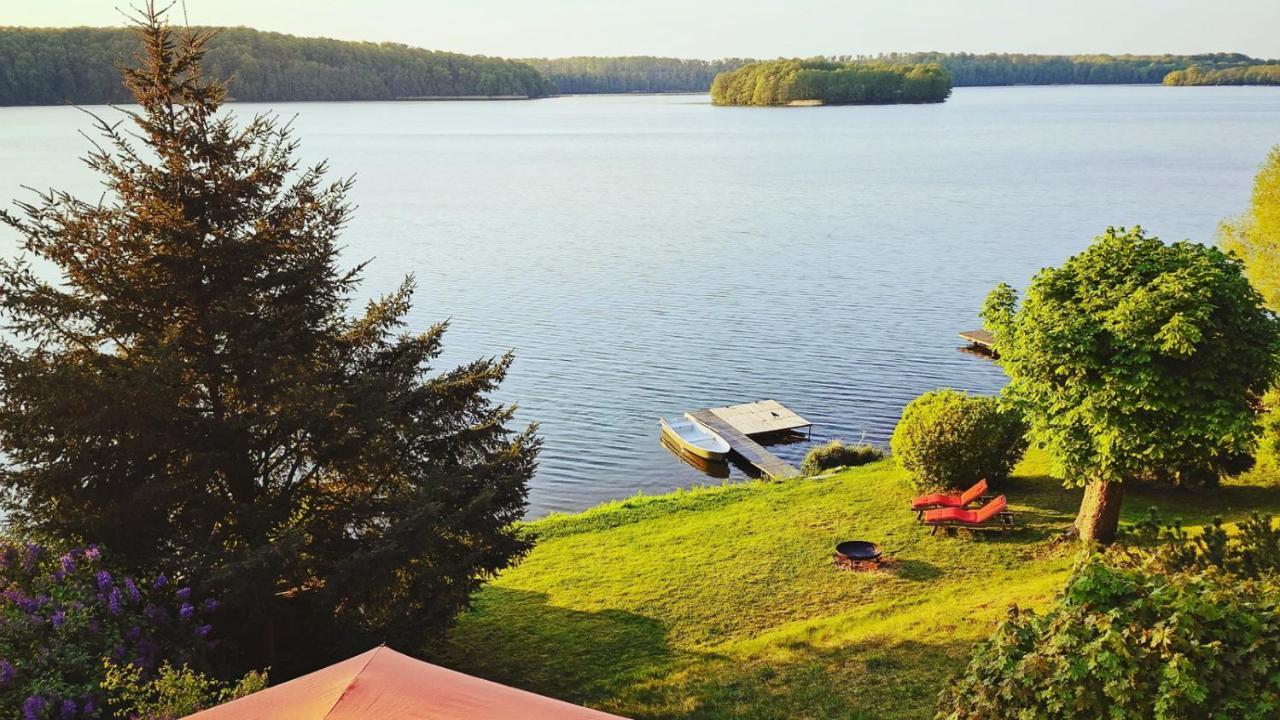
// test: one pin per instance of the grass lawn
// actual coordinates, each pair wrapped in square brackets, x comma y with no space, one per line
[723,602]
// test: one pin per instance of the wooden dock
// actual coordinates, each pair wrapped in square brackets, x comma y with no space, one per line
[981,341]
[736,423]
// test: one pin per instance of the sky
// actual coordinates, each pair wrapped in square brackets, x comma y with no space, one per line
[724,28]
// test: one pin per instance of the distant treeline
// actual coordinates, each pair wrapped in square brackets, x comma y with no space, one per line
[632,74]
[47,66]
[1253,75]
[656,74]
[968,70]
[782,82]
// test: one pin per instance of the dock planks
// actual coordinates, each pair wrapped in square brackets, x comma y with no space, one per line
[730,423]
[981,340]
[759,418]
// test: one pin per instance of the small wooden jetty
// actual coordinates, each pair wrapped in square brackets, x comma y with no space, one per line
[981,341]
[737,423]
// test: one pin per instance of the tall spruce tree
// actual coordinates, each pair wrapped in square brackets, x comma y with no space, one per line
[183,380]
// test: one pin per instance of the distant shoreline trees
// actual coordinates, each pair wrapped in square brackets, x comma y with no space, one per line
[632,74]
[1251,75]
[53,66]
[783,82]
[993,69]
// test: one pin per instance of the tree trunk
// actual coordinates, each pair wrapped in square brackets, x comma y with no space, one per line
[1099,514]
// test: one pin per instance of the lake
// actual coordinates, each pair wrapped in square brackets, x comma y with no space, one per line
[649,255]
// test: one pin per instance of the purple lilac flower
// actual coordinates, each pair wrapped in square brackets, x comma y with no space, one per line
[69,709]
[7,671]
[89,707]
[91,552]
[33,707]
[186,612]
[31,556]
[68,563]
[132,589]
[210,605]
[27,604]
[133,633]
[104,581]
[58,618]
[113,601]
[184,594]
[203,631]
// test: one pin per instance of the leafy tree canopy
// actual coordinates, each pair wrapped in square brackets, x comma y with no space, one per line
[1255,235]
[194,391]
[1138,358]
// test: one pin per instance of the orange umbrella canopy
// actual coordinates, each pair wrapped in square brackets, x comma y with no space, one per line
[382,684]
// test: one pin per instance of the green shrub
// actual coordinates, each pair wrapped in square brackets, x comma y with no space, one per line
[171,692]
[836,454]
[1189,629]
[950,439]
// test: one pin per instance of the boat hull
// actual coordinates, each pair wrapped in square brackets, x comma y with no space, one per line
[696,448]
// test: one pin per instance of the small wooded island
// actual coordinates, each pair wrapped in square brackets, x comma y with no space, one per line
[827,82]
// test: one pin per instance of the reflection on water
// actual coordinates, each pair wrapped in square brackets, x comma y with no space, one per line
[717,469]
[646,256]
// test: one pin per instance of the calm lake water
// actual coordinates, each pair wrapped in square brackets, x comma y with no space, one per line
[648,255]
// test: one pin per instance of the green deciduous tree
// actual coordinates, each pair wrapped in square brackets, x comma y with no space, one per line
[194,391]
[1255,238]
[1136,359]
[1255,235]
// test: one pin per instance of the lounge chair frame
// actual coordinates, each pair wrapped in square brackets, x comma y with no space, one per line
[1002,521]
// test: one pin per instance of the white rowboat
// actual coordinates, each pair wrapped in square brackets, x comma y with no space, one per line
[694,438]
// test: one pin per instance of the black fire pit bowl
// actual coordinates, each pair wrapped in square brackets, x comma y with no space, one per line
[859,550]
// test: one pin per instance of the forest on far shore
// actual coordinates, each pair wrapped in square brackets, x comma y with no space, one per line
[50,66]
[1251,75]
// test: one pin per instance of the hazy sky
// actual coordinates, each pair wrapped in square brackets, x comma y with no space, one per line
[724,28]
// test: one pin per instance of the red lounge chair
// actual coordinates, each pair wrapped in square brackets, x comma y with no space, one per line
[993,514]
[944,500]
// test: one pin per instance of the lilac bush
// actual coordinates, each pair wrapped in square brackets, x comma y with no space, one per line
[64,617]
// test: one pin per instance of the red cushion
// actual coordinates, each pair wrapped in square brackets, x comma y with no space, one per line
[923,502]
[974,492]
[951,514]
[990,510]
[935,500]
[966,517]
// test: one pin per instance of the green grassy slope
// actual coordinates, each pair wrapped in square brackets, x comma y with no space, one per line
[723,602]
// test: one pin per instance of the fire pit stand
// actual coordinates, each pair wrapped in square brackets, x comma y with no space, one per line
[857,555]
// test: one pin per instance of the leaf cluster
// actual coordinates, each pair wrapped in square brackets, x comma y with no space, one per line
[1189,628]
